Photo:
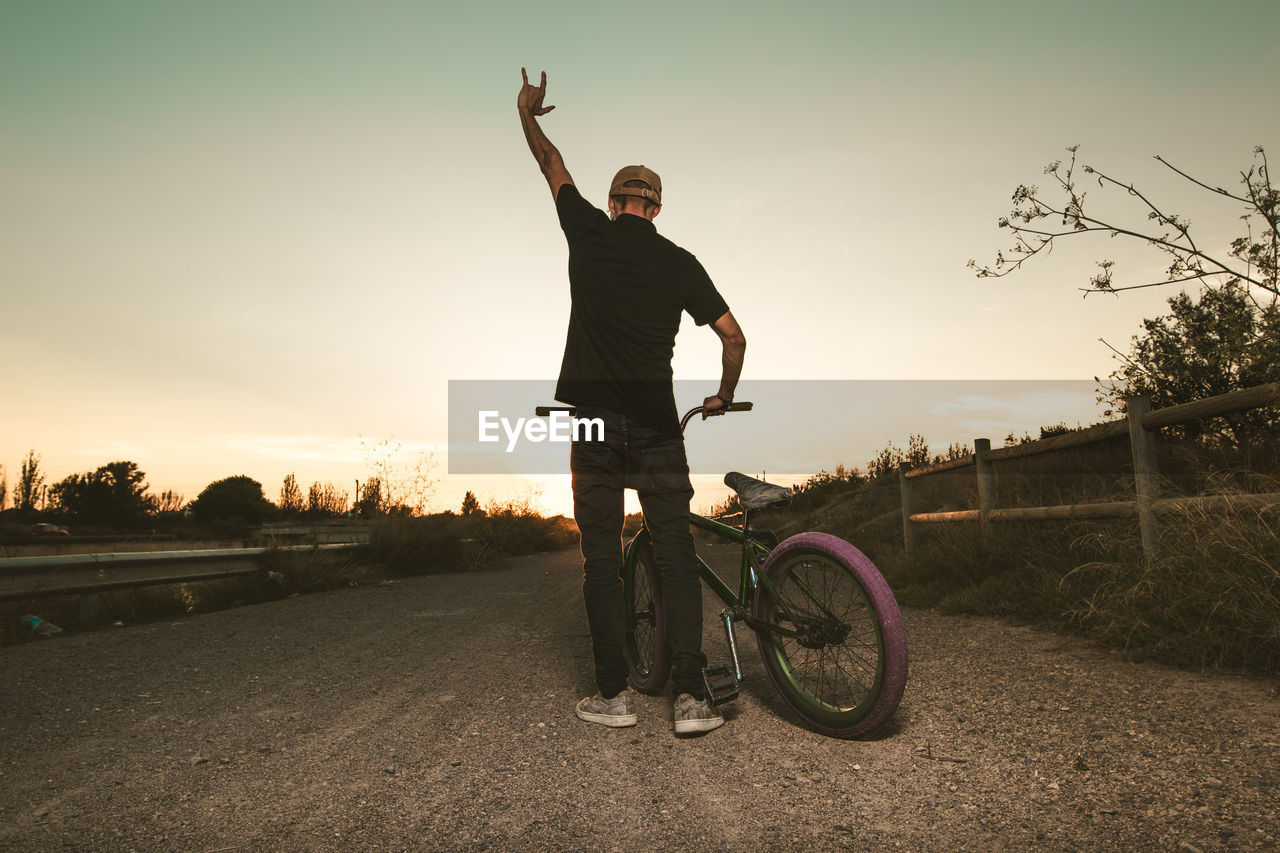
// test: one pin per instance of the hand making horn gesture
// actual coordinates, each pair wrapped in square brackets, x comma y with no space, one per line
[530,99]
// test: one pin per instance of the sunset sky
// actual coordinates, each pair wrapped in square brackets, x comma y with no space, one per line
[246,237]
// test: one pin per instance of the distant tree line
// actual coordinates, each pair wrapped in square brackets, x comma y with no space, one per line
[116,496]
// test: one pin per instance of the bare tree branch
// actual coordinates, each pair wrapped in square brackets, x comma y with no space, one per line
[1218,190]
[1190,262]
[1088,290]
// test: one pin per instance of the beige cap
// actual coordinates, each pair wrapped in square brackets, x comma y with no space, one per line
[637,173]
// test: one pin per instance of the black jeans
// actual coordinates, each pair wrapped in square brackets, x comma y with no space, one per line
[653,463]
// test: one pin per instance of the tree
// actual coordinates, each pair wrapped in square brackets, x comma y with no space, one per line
[470,505]
[169,502]
[233,499]
[4,488]
[1249,261]
[290,496]
[885,465]
[114,495]
[30,484]
[371,501]
[128,501]
[1220,342]
[420,485]
[326,500]
[402,487]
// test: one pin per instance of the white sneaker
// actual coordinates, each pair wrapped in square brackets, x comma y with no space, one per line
[618,712]
[695,715]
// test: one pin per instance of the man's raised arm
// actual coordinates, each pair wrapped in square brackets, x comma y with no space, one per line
[529,103]
[733,346]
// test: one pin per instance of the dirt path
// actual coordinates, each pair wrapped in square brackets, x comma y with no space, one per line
[436,713]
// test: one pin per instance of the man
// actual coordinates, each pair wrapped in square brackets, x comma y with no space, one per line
[629,287]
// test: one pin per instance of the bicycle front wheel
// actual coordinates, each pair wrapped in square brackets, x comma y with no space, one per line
[838,655]
[645,643]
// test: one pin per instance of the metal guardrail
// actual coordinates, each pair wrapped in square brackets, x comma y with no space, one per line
[70,574]
[1139,427]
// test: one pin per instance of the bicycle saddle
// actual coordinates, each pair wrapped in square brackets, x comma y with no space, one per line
[756,494]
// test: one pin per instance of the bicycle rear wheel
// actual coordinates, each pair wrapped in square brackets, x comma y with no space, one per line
[645,644]
[840,658]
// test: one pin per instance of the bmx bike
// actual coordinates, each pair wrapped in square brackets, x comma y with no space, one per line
[828,628]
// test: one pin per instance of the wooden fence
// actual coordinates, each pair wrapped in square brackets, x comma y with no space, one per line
[1139,426]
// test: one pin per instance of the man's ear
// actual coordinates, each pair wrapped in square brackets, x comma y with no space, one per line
[613,208]
[656,209]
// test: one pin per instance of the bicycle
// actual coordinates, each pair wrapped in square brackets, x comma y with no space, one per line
[827,626]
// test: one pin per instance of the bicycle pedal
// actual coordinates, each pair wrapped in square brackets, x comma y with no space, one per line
[720,683]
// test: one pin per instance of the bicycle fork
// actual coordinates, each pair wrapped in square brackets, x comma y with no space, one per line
[720,682]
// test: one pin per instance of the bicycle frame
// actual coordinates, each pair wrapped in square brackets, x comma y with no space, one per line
[749,577]
[722,590]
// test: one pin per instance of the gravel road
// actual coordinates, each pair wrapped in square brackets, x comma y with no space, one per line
[436,713]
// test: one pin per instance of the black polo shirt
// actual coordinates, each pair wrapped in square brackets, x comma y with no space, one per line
[629,286]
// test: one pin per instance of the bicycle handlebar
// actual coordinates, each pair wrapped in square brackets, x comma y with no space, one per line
[732,407]
[545,411]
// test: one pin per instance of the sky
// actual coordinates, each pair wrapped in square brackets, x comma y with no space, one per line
[263,237]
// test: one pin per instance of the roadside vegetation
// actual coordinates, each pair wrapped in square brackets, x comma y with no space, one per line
[468,540]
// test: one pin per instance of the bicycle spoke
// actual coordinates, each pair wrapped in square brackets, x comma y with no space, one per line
[829,679]
[821,600]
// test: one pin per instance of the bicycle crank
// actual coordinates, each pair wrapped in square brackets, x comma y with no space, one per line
[720,682]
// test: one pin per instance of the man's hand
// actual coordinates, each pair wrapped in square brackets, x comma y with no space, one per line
[713,406]
[530,98]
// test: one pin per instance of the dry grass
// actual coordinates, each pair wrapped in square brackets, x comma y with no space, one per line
[1210,597]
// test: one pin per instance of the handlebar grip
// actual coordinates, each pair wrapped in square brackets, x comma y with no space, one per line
[732,407]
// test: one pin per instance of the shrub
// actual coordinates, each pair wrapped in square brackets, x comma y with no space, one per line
[447,542]
[233,502]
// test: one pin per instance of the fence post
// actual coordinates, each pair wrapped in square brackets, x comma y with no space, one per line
[1145,472]
[986,479]
[908,534]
